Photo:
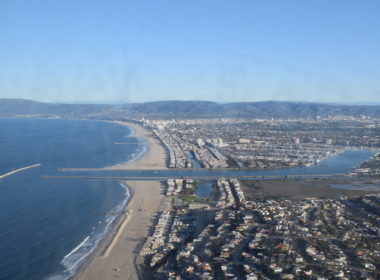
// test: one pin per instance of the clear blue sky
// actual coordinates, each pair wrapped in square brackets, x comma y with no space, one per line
[133,51]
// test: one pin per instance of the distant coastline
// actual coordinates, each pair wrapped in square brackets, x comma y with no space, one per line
[153,158]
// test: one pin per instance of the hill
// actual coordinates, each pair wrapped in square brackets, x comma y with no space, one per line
[182,109]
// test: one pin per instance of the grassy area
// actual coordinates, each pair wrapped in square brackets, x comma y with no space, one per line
[188,195]
[192,199]
[251,189]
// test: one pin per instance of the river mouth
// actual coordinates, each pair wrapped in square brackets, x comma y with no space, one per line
[339,165]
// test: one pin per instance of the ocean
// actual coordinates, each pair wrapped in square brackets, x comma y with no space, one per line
[49,226]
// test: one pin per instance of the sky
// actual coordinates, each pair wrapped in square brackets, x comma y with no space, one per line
[110,51]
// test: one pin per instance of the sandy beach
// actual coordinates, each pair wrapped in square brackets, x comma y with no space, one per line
[118,257]
[154,158]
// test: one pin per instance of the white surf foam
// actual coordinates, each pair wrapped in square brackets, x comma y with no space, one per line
[78,255]
[77,248]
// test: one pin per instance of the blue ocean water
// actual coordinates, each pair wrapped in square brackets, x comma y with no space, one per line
[47,227]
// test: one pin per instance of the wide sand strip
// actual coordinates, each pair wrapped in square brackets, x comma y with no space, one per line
[117,256]
[118,261]
[155,157]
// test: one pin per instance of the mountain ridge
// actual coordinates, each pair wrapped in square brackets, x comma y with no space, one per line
[182,109]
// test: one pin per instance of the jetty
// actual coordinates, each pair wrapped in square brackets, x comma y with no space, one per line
[128,143]
[210,177]
[19,170]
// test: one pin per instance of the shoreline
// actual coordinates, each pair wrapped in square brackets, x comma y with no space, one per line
[105,242]
[153,158]
[118,253]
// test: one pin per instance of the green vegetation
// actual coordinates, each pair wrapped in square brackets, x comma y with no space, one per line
[193,199]
[252,189]
[188,195]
